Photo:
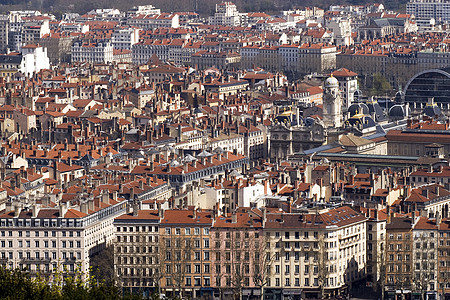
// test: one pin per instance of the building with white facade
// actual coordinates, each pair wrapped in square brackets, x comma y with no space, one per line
[348,84]
[124,38]
[228,15]
[143,10]
[147,22]
[34,59]
[317,254]
[47,239]
[342,31]
[101,52]
[239,191]
[438,10]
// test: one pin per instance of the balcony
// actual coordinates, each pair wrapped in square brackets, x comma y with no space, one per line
[70,259]
[34,260]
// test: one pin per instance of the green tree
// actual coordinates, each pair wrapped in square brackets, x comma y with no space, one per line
[380,85]
[17,284]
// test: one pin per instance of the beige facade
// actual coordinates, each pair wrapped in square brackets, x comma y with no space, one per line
[316,253]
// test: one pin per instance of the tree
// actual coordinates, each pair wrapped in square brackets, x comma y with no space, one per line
[262,262]
[380,85]
[102,265]
[425,261]
[322,265]
[17,284]
[380,266]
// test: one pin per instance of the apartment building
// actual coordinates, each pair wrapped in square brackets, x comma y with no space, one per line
[136,249]
[124,38]
[44,239]
[10,65]
[443,248]
[185,253]
[425,256]
[315,255]
[228,15]
[33,31]
[376,246]
[425,9]
[295,59]
[254,142]
[399,257]
[4,29]
[147,22]
[228,142]
[221,60]
[238,260]
[34,59]
[237,192]
[101,52]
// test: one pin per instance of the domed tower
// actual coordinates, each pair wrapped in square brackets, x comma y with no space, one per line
[332,103]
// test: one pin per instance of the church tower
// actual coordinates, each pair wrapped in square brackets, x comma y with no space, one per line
[332,104]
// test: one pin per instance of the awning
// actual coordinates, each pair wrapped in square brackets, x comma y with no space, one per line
[292,291]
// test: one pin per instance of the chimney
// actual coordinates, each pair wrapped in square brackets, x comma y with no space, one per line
[84,207]
[264,216]
[135,209]
[160,210]
[63,208]
[35,210]
[17,210]
[234,217]
[131,193]
[90,203]
[105,197]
